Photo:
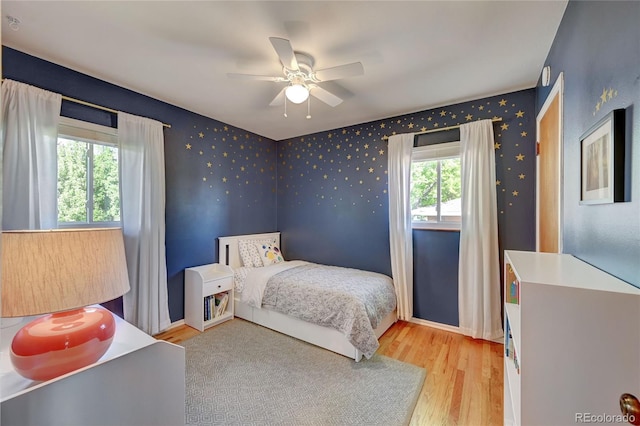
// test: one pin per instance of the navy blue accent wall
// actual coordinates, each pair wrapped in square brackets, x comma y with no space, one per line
[333,203]
[435,276]
[597,47]
[220,180]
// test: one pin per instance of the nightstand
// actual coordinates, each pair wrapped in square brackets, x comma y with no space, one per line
[208,295]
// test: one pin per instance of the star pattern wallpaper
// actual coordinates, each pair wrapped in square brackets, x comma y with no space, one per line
[229,160]
[348,167]
[321,169]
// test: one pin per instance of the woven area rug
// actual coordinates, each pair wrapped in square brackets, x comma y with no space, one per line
[239,373]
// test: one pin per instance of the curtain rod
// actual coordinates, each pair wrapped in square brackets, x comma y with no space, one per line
[493,120]
[100,107]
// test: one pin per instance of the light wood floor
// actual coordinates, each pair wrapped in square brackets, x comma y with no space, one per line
[464,376]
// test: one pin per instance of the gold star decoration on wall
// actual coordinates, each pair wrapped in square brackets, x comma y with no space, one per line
[354,166]
[348,166]
[606,96]
[220,154]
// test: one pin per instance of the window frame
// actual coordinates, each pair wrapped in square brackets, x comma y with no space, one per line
[94,134]
[436,152]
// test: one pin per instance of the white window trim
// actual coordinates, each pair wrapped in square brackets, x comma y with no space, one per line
[441,151]
[91,133]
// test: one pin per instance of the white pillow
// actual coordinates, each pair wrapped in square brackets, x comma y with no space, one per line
[244,247]
[249,252]
[239,277]
[270,254]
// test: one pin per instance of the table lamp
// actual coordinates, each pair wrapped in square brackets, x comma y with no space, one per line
[58,273]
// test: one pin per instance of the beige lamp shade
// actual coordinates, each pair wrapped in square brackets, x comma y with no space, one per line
[49,271]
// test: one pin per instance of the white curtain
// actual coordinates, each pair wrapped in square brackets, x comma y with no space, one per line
[479,269]
[29,165]
[143,210]
[400,231]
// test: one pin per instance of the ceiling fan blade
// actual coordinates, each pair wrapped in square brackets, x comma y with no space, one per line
[279,99]
[255,77]
[324,95]
[285,52]
[341,71]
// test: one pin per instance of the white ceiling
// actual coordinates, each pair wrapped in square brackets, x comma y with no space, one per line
[417,55]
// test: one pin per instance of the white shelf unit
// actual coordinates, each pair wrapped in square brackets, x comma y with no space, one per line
[576,333]
[203,284]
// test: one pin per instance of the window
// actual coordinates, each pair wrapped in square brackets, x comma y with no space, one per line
[88,175]
[436,186]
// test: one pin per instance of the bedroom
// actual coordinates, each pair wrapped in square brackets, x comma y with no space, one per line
[350,227]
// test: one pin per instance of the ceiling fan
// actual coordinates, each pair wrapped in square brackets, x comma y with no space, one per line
[302,80]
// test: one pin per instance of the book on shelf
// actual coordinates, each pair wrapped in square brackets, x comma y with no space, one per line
[509,347]
[508,339]
[514,292]
[513,286]
[221,301]
[207,308]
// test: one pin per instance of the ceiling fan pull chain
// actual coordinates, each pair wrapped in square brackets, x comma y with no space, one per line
[309,108]
[285,107]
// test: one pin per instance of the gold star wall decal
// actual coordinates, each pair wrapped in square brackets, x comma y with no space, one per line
[603,96]
[188,146]
[310,166]
[606,96]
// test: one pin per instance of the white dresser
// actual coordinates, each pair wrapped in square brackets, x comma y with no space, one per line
[138,381]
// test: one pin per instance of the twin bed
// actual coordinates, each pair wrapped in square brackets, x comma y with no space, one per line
[343,310]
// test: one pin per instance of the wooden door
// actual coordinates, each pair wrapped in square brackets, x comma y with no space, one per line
[549,172]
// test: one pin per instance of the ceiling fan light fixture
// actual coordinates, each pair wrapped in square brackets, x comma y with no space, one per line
[297,93]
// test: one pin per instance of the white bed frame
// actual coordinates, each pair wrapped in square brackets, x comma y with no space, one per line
[328,338]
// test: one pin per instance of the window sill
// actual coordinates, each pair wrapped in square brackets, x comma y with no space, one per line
[71,225]
[442,226]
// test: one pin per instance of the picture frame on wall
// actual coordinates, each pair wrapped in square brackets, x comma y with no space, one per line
[602,160]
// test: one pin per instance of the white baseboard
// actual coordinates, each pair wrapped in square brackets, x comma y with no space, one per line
[440,326]
[446,327]
[174,325]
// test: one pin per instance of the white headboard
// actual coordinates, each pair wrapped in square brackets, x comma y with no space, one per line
[228,252]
